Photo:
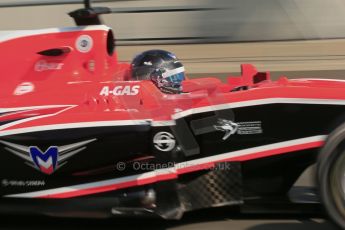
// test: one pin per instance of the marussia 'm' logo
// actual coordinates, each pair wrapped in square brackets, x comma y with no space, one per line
[46,161]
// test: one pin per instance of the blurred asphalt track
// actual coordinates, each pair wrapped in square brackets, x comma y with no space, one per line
[209,220]
[229,20]
[295,59]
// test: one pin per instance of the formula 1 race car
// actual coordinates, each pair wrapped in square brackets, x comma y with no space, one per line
[79,139]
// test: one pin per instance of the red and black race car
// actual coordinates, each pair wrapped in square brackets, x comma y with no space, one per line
[79,138]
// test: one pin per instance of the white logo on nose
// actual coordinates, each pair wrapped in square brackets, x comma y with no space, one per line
[84,43]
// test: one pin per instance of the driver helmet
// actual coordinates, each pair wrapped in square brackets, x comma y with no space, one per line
[162,68]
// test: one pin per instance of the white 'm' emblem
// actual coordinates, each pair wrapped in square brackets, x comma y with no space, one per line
[46,161]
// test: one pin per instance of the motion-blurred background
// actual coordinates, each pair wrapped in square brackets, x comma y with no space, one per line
[212,20]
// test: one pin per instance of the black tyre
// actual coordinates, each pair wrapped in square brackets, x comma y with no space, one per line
[331,176]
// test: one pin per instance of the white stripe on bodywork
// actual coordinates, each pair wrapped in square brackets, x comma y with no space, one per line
[173,170]
[9,35]
[84,186]
[175,116]
[162,123]
[251,151]
[2,127]
[257,102]
[19,109]
[75,126]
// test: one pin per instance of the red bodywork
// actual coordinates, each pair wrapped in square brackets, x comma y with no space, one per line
[82,87]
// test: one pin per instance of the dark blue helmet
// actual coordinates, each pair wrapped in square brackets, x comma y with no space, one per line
[162,68]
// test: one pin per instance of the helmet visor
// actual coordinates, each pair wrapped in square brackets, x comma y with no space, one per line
[174,78]
[169,80]
[178,78]
[175,75]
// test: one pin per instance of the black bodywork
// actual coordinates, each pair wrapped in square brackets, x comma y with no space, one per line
[236,183]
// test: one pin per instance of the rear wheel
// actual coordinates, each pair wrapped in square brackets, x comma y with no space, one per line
[331,176]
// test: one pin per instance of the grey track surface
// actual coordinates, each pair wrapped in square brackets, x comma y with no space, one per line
[235,20]
[215,220]
[319,58]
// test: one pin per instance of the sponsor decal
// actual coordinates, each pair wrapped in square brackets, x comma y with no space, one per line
[48,161]
[240,128]
[22,183]
[120,90]
[226,126]
[24,88]
[249,128]
[84,43]
[127,110]
[164,141]
[43,65]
